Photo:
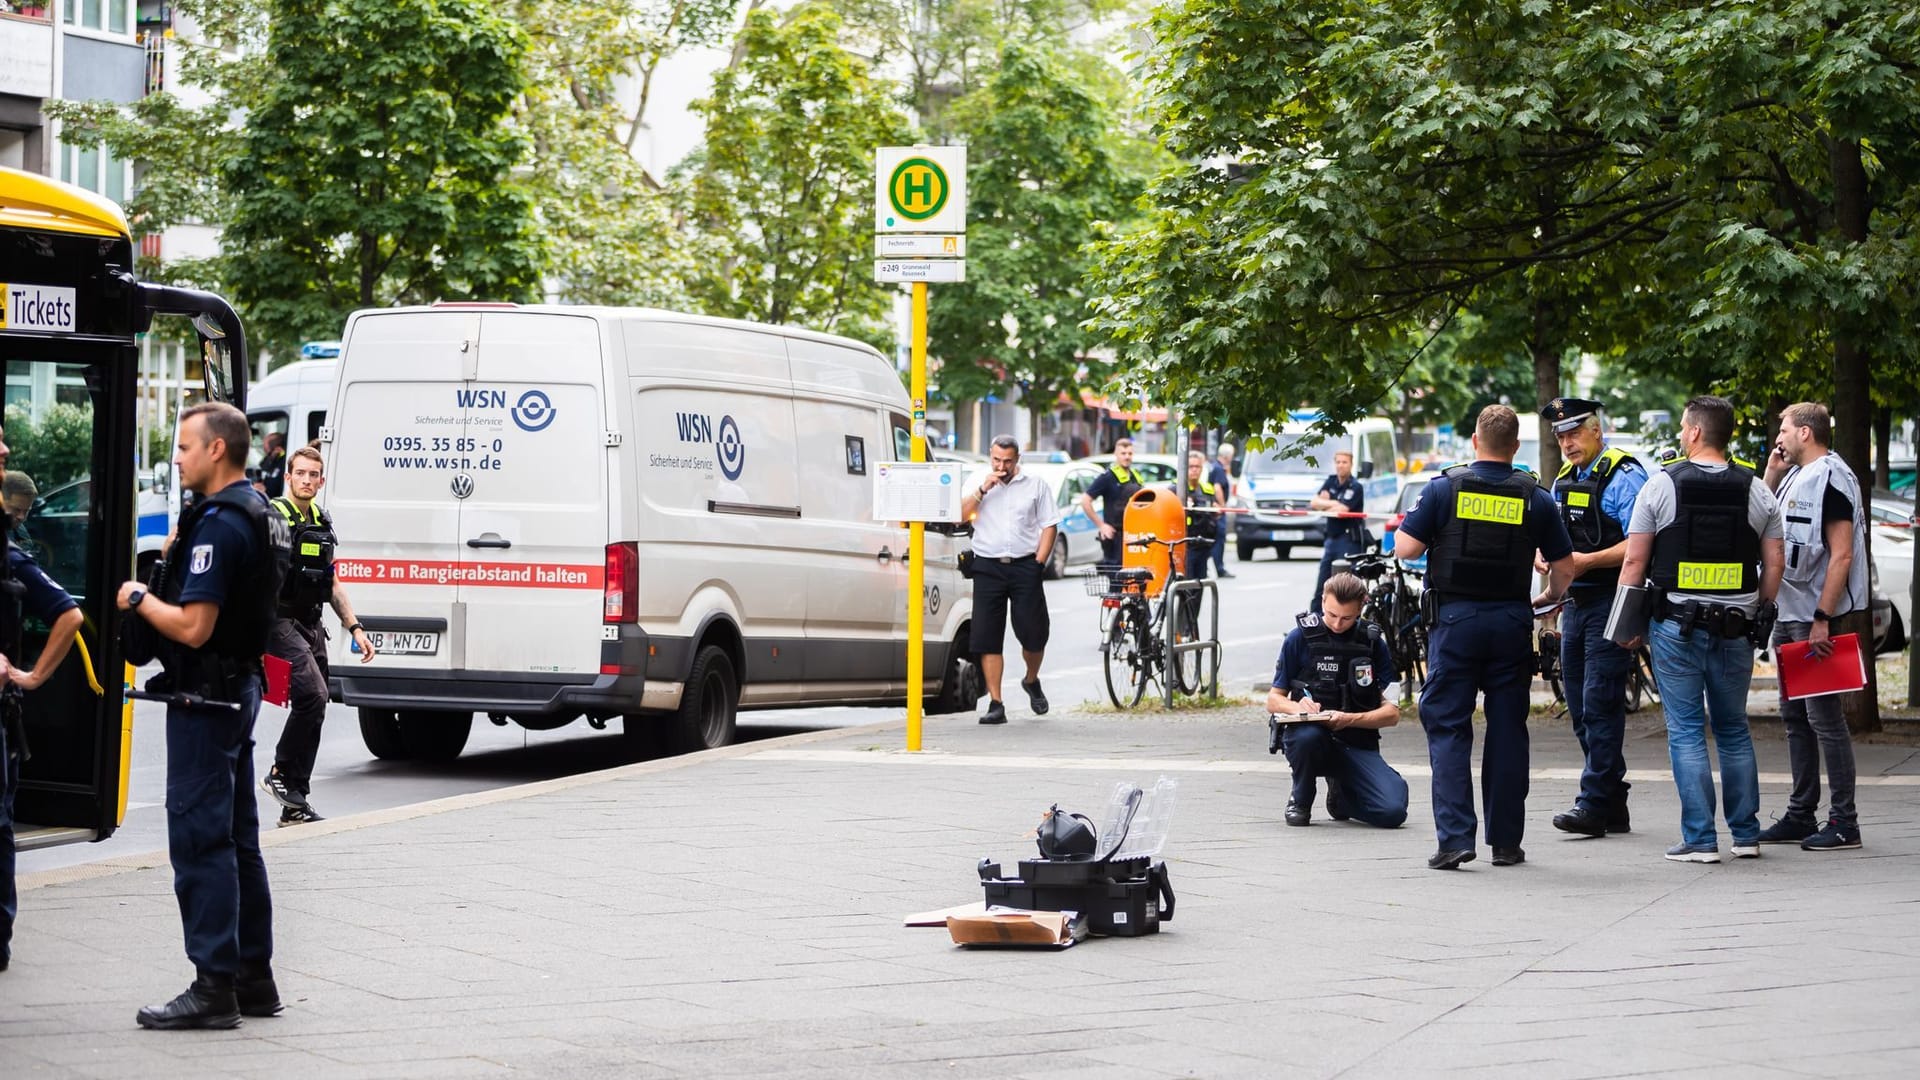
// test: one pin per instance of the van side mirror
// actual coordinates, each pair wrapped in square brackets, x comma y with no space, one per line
[1366,470]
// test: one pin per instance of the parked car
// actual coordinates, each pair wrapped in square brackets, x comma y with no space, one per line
[1277,484]
[1078,541]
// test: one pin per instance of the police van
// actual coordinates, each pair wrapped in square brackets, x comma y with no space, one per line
[1277,484]
[554,512]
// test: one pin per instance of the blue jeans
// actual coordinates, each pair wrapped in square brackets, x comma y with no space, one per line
[1476,647]
[213,836]
[1374,793]
[1703,683]
[1335,549]
[1595,672]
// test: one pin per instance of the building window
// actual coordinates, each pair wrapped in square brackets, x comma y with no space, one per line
[91,167]
[111,16]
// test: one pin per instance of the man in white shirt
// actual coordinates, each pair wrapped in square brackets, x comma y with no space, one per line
[1014,522]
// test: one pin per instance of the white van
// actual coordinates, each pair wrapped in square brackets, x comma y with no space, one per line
[292,400]
[1277,483]
[550,512]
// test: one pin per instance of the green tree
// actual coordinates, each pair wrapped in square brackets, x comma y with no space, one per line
[1041,182]
[375,166]
[780,195]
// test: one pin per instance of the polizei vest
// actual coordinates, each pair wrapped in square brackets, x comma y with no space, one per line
[1484,549]
[1202,526]
[1339,670]
[1710,549]
[309,582]
[1590,527]
[1114,509]
[1803,498]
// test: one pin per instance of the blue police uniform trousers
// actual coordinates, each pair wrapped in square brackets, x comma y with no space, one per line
[1336,548]
[9,897]
[1595,671]
[1478,647]
[213,836]
[1374,793]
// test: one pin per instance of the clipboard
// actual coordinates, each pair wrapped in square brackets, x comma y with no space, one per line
[1804,675]
[1632,613]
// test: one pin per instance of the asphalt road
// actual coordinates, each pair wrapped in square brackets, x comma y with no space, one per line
[1256,611]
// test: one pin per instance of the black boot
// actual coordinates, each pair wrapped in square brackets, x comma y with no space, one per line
[207,1003]
[255,991]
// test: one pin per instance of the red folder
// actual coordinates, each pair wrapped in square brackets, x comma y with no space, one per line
[1803,674]
[279,680]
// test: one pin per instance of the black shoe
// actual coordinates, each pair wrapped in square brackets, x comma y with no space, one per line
[996,714]
[1509,856]
[283,794]
[1449,860]
[1336,801]
[1832,837]
[256,994]
[1578,820]
[1034,697]
[6,957]
[299,815]
[1297,814]
[1619,821]
[1789,829]
[1228,573]
[207,1003]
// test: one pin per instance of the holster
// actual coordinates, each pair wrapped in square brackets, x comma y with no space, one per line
[13,718]
[1273,734]
[208,675]
[1760,628]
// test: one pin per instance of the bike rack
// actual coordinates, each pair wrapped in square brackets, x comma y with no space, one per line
[1209,644]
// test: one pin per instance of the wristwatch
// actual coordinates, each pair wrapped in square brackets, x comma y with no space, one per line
[1821,616]
[134,598]
[353,627]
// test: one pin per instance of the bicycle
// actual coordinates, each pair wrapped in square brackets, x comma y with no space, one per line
[1641,688]
[1394,606]
[1134,648]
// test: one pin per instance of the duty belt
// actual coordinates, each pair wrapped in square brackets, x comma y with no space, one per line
[1028,557]
[1724,620]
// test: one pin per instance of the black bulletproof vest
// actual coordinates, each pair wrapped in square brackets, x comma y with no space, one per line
[1340,672]
[309,581]
[1114,510]
[1203,526]
[246,619]
[1710,549]
[1484,549]
[1591,529]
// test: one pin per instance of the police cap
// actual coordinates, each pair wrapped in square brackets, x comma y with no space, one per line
[1565,414]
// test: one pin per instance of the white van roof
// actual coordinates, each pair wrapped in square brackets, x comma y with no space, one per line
[643,314]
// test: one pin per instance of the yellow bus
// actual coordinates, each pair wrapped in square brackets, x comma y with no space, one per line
[69,339]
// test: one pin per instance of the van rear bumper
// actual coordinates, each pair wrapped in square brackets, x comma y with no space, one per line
[618,689]
[513,693]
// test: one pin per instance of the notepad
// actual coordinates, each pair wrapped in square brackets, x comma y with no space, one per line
[1632,611]
[1804,675]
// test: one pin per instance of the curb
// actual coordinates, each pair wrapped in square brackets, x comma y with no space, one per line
[147,860]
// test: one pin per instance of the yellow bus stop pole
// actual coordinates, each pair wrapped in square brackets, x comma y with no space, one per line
[917,531]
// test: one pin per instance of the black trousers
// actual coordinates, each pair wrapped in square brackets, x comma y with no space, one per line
[304,647]
[998,587]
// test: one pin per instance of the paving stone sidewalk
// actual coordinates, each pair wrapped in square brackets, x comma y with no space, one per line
[738,914]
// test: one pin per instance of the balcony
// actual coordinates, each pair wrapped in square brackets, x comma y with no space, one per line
[26,50]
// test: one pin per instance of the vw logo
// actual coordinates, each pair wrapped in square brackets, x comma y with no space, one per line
[462,486]
[731,451]
[933,600]
[534,411]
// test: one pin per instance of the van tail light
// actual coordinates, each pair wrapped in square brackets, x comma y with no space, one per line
[620,596]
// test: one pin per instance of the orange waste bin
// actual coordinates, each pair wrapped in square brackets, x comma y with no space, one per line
[1157,513]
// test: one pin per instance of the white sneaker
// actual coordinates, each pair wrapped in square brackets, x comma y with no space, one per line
[1746,851]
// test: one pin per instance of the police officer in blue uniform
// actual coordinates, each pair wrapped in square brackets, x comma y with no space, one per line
[1595,490]
[1114,488]
[25,589]
[209,628]
[1336,666]
[1340,494]
[1483,523]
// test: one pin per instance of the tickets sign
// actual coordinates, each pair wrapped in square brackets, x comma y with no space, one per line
[41,309]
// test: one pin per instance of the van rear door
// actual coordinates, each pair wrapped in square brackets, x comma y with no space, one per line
[390,483]
[534,528]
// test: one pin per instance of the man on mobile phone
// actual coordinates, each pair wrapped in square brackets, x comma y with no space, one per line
[1014,524]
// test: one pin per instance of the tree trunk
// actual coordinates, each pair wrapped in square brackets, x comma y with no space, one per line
[1882,447]
[1544,344]
[1852,392]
